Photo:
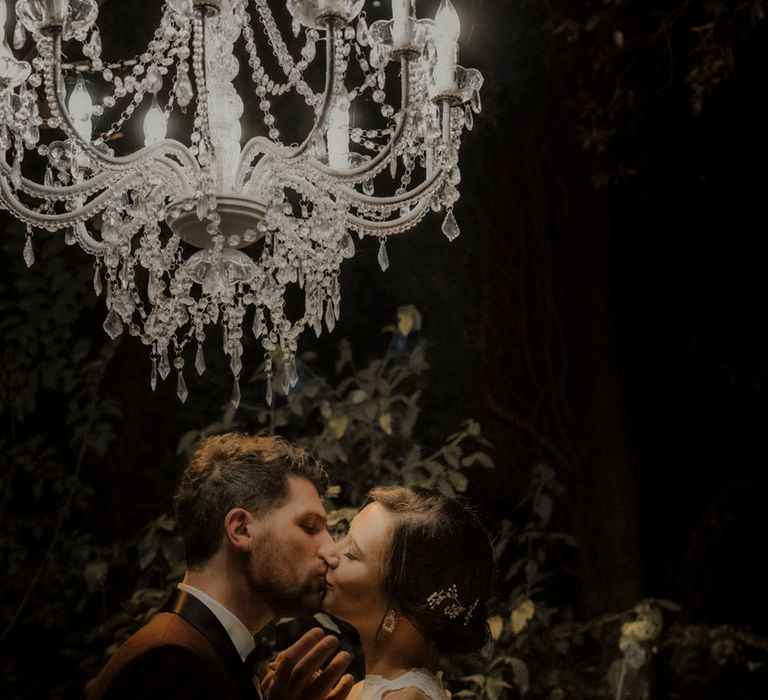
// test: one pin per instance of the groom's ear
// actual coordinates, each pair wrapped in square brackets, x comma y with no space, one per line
[240,528]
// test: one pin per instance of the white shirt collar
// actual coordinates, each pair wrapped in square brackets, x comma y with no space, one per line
[237,631]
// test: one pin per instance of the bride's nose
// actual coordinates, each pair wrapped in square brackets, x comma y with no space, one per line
[330,554]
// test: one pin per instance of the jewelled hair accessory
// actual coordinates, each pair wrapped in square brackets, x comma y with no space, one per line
[453,607]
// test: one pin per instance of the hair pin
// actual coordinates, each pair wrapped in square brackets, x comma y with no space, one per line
[453,607]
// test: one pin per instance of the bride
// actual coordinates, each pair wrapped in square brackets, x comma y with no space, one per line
[411,576]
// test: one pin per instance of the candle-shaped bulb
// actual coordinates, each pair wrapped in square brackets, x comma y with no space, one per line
[80,109]
[401,10]
[80,104]
[338,133]
[155,123]
[447,25]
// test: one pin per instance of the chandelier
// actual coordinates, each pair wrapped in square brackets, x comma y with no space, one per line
[200,229]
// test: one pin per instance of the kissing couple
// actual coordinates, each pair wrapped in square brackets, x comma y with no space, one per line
[410,576]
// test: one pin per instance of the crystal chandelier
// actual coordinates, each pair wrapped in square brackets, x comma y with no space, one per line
[199,229]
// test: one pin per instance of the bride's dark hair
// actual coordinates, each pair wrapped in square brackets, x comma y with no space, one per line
[439,567]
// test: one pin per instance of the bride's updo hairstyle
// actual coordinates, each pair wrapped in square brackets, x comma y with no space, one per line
[439,567]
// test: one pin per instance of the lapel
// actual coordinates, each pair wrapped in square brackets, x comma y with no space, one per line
[197,614]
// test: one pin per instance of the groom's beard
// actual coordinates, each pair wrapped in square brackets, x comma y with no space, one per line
[275,581]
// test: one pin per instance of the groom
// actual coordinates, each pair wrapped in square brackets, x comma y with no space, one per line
[250,515]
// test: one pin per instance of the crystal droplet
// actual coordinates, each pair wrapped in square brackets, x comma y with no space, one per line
[236,393]
[368,187]
[97,282]
[476,104]
[181,388]
[469,121]
[296,27]
[113,326]
[383,257]
[347,246]
[184,91]
[268,391]
[154,80]
[16,174]
[258,323]
[153,375]
[236,364]
[95,44]
[48,177]
[164,367]
[200,359]
[330,319]
[69,237]
[362,31]
[292,373]
[310,50]
[29,252]
[202,207]
[450,227]
[19,36]
[393,166]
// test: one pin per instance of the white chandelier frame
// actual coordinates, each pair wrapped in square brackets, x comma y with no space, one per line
[263,217]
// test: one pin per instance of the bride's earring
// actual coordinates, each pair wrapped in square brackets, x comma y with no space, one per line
[390,621]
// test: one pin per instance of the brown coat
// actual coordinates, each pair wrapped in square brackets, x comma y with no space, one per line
[183,652]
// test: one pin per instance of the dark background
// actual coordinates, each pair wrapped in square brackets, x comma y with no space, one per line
[604,310]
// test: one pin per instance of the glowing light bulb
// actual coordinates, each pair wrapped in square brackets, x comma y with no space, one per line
[155,123]
[338,134]
[447,22]
[80,108]
[401,10]
[447,29]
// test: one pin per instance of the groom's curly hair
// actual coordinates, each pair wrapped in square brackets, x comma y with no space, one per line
[236,470]
[439,568]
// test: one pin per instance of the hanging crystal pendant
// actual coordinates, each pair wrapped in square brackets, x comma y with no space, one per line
[164,367]
[113,326]
[153,375]
[330,318]
[362,31]
[468,118]
[383,257]
[97,282]
[29,252]
[236,393]
[19,36]
[200,359]
[258,323]
[184,92]
[181,387]
[450,227]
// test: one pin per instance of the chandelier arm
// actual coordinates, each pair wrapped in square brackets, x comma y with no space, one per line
[330,83]
[53,222]
[378,163]
[160,149]
[87,242]
[98,182]
[260,144]
[391,227]
[424,189]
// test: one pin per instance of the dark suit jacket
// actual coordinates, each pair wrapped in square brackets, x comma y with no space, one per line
[184,652]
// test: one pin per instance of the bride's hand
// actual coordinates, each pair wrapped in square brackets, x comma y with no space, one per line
[297,673]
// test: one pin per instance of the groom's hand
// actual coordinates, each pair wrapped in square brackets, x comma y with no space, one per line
[300,672]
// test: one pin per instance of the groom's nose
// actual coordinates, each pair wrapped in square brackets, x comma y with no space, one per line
[329,554]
